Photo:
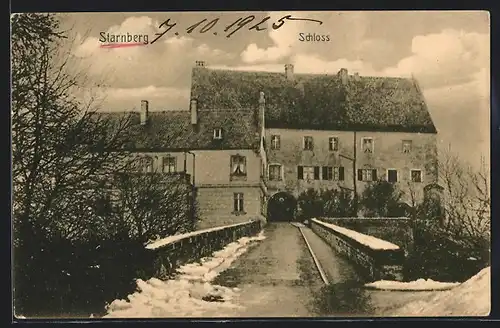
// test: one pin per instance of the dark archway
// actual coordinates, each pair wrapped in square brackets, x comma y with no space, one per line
[281,207]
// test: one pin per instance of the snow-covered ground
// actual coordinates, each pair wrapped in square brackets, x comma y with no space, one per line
[420,284]
[190,294]
[471,298]
[370,241]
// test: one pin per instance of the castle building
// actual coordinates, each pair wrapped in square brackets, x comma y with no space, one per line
[251,138]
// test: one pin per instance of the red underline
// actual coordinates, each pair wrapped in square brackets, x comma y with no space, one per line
[122,45]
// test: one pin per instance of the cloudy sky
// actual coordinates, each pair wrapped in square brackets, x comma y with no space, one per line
[447,52]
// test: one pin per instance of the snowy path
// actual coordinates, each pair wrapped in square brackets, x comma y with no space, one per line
[277,278]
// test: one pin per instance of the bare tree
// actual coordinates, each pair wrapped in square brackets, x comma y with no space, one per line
[154,204]
[466,198]
[59,145]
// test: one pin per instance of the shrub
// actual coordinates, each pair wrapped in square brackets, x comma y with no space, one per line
[328,202]
[382,199]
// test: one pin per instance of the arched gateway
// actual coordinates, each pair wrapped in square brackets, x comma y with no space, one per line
[281,207]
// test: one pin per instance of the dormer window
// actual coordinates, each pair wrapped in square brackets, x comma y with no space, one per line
[218,133]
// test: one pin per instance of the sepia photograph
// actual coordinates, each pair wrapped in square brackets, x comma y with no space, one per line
[232,164]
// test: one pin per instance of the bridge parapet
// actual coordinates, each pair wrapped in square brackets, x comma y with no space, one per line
[171,252]
[398,230]
[380,259]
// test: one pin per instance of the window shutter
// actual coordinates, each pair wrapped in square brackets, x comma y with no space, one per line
[360,175]
[316,173]
[325,173]
[341,173]
[374,174]
[300,172]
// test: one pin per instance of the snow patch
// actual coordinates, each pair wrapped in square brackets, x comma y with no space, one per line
[370,241]
[419,284]
[190,294]
[471,298]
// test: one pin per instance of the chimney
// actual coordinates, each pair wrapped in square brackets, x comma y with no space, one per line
[200,63]
[144,111]
[194,111]
[289,71]
[343,75]
[262,108]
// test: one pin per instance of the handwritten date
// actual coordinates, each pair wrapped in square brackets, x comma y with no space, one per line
[204,25]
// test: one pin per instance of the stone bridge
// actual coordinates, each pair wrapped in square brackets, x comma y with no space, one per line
[294,264]
[374,258]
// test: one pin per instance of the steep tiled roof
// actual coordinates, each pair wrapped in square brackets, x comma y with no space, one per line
[172,130]
[317,101]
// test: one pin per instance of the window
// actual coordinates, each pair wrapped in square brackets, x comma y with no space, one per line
[333,144]
[308,173]
[416,175]
[275,172]
[392,175]
[147,164]
[407,146]
[275,142]
[308,143]
[238,202]
[367,175]
[169,164]
[367,145]
[218,133]
[238,165]
[333,173]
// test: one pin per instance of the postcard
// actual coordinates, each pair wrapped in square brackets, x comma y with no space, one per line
[251,164]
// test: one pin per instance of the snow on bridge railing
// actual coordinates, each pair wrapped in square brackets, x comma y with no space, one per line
[172,239]
[380,259]
[366,240]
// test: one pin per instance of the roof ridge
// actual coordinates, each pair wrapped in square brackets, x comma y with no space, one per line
[306,74]
[385,77]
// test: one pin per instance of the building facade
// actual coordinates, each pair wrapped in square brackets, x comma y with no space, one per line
[249,136]
[302,159]
[220,150]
